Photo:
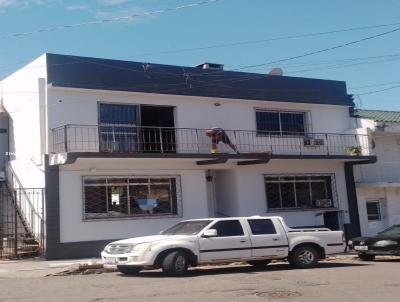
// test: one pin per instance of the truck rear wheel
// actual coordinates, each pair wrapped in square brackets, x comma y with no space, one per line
[175,264]
[259,264]
[304,257]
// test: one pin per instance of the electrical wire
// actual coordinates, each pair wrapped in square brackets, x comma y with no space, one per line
[379,90]
[110,20]
[289,37]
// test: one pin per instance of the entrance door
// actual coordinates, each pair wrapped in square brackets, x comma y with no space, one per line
[157,131]
[118,130]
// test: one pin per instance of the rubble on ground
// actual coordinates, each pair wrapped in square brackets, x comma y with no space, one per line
[84,269]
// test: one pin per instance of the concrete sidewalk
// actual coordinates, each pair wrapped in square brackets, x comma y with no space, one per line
[38,267]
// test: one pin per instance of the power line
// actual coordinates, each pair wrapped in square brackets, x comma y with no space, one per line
[292,58]
[223,45]
[110,20]
[324,50]
[375,85]
[337,66]
[380,90]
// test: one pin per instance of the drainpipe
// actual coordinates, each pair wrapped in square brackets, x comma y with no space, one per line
[353,229]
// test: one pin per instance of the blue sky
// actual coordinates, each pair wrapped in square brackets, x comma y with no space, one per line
[174,37]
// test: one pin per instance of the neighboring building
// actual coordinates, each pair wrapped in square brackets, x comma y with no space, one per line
[121,149]
[378,185]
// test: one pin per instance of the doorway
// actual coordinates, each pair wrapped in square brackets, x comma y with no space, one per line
[157,129]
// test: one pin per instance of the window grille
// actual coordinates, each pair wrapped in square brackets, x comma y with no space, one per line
[374,210]
[131,196]
[299,191]
[280,123]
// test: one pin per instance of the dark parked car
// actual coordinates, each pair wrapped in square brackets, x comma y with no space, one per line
[386,242]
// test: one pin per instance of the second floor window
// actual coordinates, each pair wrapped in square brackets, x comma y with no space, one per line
[280,122]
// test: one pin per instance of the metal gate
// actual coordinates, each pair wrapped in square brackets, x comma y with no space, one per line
[21,222]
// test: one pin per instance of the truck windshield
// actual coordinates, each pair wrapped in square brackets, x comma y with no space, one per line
[187,227]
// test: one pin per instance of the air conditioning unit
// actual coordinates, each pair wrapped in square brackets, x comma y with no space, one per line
[313,142]
[323,203]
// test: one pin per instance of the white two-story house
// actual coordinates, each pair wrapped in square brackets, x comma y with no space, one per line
[121,148]
[378,185]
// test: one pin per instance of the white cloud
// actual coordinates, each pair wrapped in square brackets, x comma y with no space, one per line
[121,13]
[22,3]
[113,2]
[76,7]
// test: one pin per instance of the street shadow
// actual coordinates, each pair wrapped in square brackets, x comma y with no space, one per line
[383,259]
[242,269]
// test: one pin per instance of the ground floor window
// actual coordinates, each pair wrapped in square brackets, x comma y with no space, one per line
[374,210]
[116,197]
[299,191]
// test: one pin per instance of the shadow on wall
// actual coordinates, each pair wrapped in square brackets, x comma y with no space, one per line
[4,140]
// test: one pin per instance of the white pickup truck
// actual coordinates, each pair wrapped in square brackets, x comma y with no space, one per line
[256,240]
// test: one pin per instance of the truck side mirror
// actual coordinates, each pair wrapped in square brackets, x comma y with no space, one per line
[210,233]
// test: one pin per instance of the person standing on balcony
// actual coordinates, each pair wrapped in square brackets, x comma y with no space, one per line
[218,135]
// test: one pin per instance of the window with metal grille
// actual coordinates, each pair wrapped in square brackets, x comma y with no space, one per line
[374,210]
[280,122]
[299,191]
[131,196]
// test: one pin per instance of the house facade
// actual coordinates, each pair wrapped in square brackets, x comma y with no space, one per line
[123,148]
[378,184]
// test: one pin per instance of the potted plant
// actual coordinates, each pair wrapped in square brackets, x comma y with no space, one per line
[353,150]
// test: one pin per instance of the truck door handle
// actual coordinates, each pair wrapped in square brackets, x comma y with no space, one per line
[243,240]
[275,239]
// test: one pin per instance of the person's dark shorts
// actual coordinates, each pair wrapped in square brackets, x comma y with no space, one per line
[220,136]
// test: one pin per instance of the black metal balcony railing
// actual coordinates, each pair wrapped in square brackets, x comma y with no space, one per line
[137,139]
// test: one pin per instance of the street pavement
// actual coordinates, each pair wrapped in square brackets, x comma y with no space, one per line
[339,279]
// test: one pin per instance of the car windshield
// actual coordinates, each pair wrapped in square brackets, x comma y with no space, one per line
[392,231]
[187,227]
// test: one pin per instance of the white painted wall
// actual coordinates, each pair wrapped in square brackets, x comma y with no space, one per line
[380,181]
[21,95]
[79,106]
[74,229]
[390,198]
[241,192]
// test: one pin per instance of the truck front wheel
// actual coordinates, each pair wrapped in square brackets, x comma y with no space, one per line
[304,257]
[175,264]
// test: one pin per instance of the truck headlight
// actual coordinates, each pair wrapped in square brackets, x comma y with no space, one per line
[350,242]
[141,247]
[383,243]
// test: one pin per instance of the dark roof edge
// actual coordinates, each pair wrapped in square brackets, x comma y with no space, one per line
[190,67]
[344,103]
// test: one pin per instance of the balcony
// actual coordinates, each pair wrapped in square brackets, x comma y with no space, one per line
[379,174]
[136,141]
